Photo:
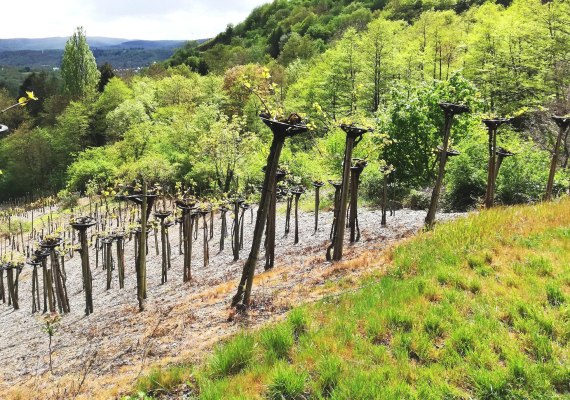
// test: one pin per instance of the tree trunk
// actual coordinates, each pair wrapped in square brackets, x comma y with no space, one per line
[246,282]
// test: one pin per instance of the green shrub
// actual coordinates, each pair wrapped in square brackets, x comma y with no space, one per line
[560,379]
[490,385]
[418,200]
[539,265]
[475,286]
[540,347]
[359,385]
[162,380]
[67,199]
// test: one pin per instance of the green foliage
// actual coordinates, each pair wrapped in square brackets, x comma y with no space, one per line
[414,120]
[78,67]
[329,372]
[382,63]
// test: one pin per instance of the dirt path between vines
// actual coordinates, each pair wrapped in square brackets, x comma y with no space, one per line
[102,355]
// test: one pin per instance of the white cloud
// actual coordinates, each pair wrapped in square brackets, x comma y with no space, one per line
[129,19]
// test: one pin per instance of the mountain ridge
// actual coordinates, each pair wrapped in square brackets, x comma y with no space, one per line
[100,42]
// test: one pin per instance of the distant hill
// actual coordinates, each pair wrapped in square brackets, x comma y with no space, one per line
[54,43]
[121,53]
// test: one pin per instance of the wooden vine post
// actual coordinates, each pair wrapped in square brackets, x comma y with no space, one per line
[224,226]
[237,202]
[280,130]
[317,185]
[353,137]
[162,215]
[145,201]
[289,197]
[492,127]
[55,275]
[244,208]
[35,261]
[10,267]
[187,206]
[563,125]
[120,242]
[81,225]
[271,220]
[141,267]
[450,110]
[297,192]
[206,248]
[336,206]
[355,172]
[107,243]
[385,170]
[49,296]
[502,153]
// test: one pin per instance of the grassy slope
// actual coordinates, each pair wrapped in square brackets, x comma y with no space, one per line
[478,308]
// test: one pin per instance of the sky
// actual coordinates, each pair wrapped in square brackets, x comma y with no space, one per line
[126,19]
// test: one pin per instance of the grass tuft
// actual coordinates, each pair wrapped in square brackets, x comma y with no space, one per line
[555,296]
[232,357]
[288,384]
[298,321]
[277,341]
[329,372]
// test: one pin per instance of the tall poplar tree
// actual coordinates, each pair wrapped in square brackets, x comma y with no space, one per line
[78,67]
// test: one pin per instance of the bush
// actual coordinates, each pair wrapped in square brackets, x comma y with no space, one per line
[433,326]
[67,199]
[400,321]
[466,176]
[463,341]
[418,199]
[521,178]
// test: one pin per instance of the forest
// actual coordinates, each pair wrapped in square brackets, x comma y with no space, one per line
[386,65]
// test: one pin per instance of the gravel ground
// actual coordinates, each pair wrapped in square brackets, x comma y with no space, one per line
[180,320]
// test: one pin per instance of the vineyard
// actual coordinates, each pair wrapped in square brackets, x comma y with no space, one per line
[188,229]
[182,316]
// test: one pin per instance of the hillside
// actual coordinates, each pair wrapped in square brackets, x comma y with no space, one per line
[477,309]
[316,23]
